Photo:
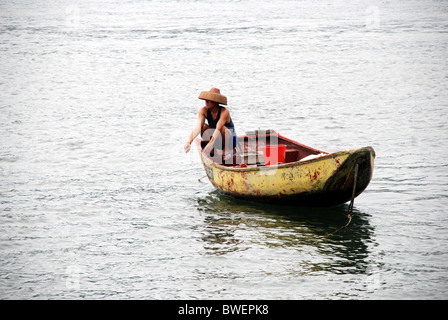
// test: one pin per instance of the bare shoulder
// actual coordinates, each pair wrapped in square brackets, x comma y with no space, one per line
[225,111]
[202,113]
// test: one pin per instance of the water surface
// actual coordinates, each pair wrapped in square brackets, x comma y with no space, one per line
[98,200]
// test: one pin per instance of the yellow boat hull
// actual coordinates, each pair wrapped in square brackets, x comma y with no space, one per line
[323,181]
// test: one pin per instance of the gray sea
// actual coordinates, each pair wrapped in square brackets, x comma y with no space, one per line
[99,201]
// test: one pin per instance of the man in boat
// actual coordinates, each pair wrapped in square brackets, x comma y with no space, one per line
[219,124]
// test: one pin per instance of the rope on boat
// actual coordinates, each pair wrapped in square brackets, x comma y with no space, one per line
[350,207]
[201,178]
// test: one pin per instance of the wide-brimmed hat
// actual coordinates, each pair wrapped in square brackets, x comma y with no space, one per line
[213,95]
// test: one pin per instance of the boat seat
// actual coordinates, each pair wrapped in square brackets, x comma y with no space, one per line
[234,161]
[291,155]
[252,158]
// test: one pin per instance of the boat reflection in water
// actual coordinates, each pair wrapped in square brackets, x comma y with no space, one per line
[305,237]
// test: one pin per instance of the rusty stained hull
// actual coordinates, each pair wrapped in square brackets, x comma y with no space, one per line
[323,181]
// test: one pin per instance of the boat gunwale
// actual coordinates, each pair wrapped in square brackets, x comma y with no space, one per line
[209,162]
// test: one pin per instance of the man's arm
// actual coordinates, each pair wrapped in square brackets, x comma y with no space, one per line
[196,130]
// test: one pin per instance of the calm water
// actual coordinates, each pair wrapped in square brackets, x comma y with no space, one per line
[98,200]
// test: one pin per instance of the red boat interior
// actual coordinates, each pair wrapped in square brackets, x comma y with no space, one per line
[250,149]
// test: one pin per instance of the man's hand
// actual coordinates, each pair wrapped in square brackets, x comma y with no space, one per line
[187,147]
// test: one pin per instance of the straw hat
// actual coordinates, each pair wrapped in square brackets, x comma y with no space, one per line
[213,95]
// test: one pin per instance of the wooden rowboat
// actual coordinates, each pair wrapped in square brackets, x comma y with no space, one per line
[308,176]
